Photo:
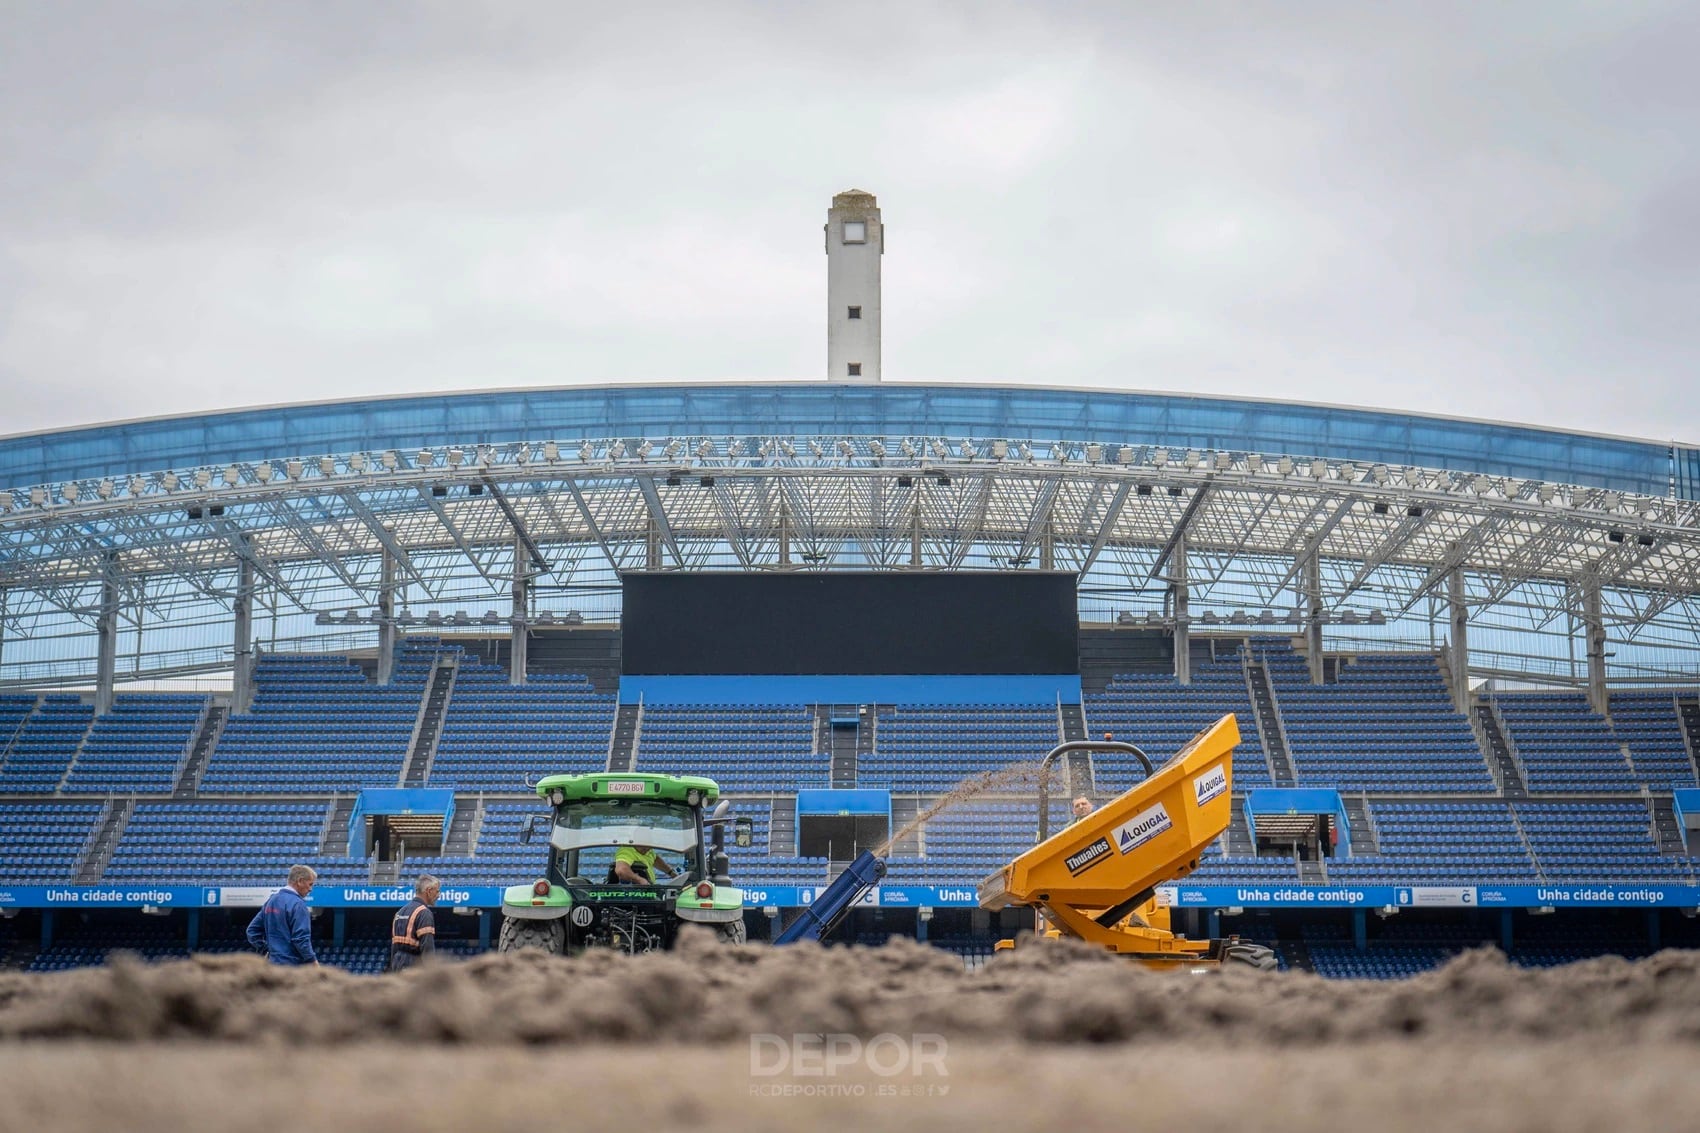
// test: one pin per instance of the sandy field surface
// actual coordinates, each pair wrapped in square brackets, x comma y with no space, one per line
[1051,1036]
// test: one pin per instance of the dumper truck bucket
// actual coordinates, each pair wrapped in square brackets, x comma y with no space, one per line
[1112,859]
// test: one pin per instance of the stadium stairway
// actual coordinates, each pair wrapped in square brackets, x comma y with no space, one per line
[462,834]
[1665,830]
[1269,722]
[623,744]
[1501,757]
[92,867]
[1360,823]
[206,738]
[423,750]
[333,839]
[1688,708]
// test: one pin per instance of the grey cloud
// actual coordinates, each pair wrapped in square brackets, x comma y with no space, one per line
[1475,210]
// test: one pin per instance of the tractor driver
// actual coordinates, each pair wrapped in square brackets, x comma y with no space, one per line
[636,865]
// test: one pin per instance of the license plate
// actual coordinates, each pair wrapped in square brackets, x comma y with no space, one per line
[627,787]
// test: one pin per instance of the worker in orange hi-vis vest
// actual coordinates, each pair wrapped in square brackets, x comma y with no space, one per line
[414,932]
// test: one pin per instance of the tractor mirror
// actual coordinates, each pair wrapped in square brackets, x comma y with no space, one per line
[528,826]
[720,810]
[743,832]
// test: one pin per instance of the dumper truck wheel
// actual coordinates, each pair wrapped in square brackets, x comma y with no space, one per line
[1256,955]
[732,932]
[536,936]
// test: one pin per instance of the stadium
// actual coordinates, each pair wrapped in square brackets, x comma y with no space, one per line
[353,635]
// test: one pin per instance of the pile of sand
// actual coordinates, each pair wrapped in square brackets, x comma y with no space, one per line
[709,994]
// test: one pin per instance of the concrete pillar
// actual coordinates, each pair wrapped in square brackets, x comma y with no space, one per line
[1360,929]
[1048,549]
[784,532]
[521,607]
[339,927]
[921,923]
[855,240]
[106,629]
[652,545]
[242,639]
[1507,937]
[192,930]
[1183,618]
[1594,627]
[386,620]
[1313,616]
[1460,640]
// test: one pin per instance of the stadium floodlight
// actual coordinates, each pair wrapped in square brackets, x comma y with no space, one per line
[1059,452]
[551,451]
[523,453]
[491,617]
[878,449]
[391,460]
[705,449]
[1160,457]
[673,449]
[940,451]
[907,449]
[1253,461]
[1124,455]
[1284,466]
[1224,461]
[1377,618]
[789,449]
[38,496]
[617,451]
[1266,617]
[105,489]
[644,449]
[1319,469]
[70,491]
[264,471]
[1483,485]
[585,452]
[1348,472]
[137,485]
[357,462]
[1094,453]
[169,482]
[486,455]
[1194,458]
[456,456]
[734,447]
[1378,473]
[1026,451]
[232,476]
[424,458]
[1609,501]
[203,477]
[968,451]
[846,449]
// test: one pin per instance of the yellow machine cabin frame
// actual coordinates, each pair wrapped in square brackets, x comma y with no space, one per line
[1096,878]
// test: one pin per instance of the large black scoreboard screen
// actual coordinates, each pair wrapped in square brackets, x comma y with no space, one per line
[868,623]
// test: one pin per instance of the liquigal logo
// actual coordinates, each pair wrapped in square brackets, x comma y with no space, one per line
[1210,784]
[1141,828]
[1084,859]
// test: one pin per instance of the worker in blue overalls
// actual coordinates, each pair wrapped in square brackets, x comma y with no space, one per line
[414,931]
[283,928]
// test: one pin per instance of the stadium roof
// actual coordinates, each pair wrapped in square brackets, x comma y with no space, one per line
[592,481]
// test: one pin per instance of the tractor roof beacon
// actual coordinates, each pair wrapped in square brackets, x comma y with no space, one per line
[650,824]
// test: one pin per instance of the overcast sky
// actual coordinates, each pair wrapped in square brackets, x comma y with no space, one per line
[1482,210]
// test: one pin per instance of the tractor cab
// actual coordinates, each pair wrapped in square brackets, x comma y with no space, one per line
[631,857]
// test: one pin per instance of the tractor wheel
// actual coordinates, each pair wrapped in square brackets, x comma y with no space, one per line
[732,932]
[536,936]
[1255,955]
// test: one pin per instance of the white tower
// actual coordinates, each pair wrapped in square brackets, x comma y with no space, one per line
[855,240]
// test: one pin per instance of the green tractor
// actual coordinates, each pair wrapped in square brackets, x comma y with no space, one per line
[632,857]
